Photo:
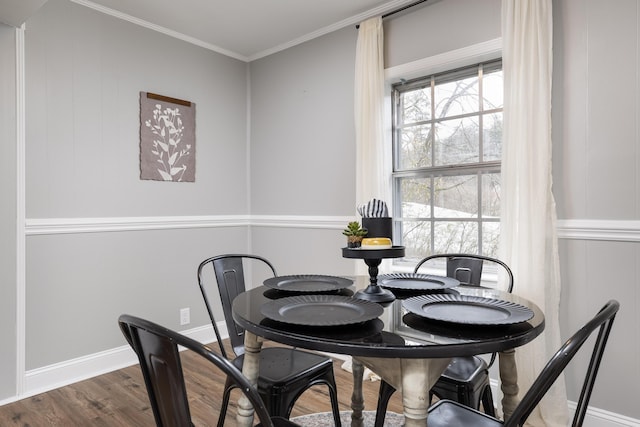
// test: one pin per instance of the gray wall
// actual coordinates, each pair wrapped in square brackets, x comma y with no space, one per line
[302,131]
[8,212]
[439,27]
[78,285]
[84,74]
[591,142]
[596,170]
[303,144]
[596,93]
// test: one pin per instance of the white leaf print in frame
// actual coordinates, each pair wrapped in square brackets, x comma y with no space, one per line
[167,138]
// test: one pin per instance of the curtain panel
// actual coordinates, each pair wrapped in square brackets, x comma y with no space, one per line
[369,112]
[529,243]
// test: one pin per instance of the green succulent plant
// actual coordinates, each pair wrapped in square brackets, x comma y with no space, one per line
[354,229]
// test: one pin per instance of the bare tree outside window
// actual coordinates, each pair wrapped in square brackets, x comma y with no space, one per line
[447,144]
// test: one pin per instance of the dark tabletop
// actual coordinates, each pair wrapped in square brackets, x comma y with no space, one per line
[376,337]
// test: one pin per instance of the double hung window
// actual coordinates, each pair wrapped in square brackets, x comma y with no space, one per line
[447,144]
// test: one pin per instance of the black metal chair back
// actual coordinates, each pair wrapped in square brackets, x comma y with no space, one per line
[602,322]
[285,373]
[447,412]
[157,351]
[230,278]
[467,268]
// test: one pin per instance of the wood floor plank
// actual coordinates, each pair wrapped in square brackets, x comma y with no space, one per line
[119,399]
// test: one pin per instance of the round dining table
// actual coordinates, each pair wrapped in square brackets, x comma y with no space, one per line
[406,347]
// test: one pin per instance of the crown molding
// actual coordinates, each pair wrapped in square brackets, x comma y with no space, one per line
[380,10]
[354,20]
[160,29]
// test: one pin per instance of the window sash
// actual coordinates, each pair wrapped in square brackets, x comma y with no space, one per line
[435,167]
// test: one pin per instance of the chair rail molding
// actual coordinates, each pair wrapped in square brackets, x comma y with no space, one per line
[572,229]
[596,229]
[300,221]
[42,226]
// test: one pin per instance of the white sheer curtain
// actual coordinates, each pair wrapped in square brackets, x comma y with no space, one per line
[528,225]
[369,113]
[368,116]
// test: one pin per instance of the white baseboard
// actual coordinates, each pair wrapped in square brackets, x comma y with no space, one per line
[594,418]
[61,374]
[68,372]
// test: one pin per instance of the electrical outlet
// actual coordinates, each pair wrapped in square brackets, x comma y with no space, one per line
[185,316]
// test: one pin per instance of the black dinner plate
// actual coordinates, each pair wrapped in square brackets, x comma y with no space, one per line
[416,281]
[361,331]
[307,283]
[466,309]
[276,294]
[321,310]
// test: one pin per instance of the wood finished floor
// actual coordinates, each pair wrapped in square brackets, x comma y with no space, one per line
[119,398]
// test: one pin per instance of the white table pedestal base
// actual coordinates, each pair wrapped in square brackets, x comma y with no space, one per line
[508,381]
[250,369]
[412,377]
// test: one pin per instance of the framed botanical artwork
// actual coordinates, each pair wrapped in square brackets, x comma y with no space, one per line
[167,138]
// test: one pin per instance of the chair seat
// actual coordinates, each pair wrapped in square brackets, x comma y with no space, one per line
[447,413]
[464,369]
[466,380]
[285,373]
[281,366]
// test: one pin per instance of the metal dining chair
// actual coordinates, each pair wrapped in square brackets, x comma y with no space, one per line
[285,373]
[162,369]
[450,413]
[466,379]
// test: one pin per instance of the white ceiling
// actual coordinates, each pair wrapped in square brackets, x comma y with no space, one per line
[15,12]
[246,29]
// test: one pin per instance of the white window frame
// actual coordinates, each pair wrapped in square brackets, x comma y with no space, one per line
[481,52]
[451,60]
